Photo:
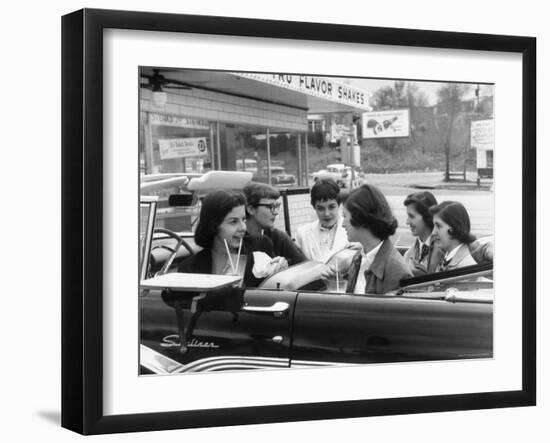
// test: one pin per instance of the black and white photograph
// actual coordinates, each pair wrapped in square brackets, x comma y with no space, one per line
[299,221]
[276,221]
[232,221]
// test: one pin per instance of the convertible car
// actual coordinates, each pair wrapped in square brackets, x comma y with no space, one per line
[295,319]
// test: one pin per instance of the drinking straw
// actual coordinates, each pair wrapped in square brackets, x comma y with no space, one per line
[239,255]
[229,255]
[337,280]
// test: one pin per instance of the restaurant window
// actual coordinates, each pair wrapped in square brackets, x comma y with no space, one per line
[246,149]
[173,144]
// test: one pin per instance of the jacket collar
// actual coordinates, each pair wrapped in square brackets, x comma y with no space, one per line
[379,263]
[461,252]
[429,242]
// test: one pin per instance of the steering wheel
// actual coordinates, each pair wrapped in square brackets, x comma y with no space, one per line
[173,251]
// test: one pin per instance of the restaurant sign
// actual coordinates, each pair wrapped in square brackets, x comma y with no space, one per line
[180,122]
[323,87]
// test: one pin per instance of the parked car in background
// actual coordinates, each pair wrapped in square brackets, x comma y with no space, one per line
[279,177]
[344,176]
[247,165]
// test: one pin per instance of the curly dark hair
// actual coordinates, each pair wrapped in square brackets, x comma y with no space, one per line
[323,190]
[215,206]
[369,209]
[422,202]
[456,216]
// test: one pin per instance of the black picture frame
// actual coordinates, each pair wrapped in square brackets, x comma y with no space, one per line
[82,231]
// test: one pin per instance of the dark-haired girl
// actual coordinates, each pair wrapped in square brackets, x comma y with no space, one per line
[221,233]
[452,234]
[368,220]
[424,255]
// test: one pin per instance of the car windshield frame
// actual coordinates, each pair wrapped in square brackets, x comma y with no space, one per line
[148,203]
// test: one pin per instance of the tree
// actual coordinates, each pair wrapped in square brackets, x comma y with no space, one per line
[415,97]
[400,95]
[449,96]
[382,98]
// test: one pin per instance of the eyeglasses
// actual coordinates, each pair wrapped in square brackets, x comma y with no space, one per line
[274,207]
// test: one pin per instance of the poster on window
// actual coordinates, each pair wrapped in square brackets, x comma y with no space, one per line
[182,147]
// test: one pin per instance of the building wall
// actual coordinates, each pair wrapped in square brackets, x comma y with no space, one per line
[215,106]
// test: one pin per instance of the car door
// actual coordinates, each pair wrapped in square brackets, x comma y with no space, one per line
[256,337]
[349,328]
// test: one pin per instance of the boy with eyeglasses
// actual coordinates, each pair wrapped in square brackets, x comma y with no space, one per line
[262,207]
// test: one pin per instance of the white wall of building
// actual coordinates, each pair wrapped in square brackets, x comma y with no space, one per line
[214,106]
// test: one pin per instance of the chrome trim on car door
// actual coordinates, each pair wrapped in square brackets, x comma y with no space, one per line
[233,362]
[159,364]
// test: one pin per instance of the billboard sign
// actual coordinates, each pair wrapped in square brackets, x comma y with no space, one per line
[482,139]
[182,147]
[482,135]
[385,124]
